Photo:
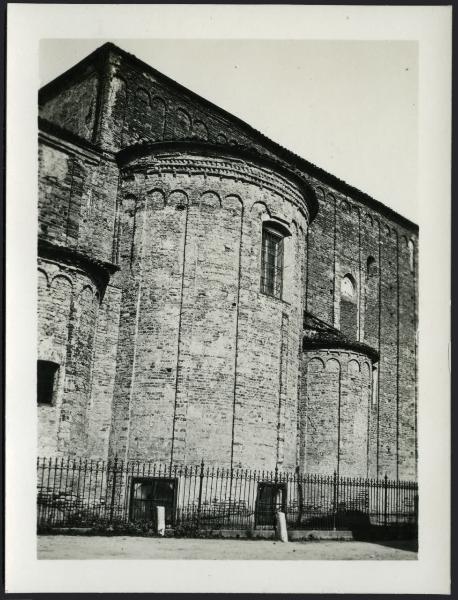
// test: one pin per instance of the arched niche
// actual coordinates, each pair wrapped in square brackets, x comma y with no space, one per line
[348,306]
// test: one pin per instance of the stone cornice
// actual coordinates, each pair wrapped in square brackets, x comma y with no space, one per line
[341,344]
[100,271]
[58,136]
[220,161]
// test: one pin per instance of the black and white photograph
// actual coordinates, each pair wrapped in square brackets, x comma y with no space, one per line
[227,301]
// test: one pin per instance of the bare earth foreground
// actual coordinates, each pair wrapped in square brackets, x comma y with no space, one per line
[93,547]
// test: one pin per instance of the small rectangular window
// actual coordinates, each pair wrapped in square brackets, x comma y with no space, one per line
[46,378]
[272,263]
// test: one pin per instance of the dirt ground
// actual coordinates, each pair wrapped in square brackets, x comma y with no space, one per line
[63,547]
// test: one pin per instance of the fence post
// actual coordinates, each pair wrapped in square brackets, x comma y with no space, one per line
[300,495]
[160,520]
[199,501]
[335,500]
[385,500]
[113,490]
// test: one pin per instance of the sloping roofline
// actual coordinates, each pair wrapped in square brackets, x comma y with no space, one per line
[288,156]
[319,335]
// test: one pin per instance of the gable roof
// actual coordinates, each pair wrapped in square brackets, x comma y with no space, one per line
[296,163]
[320,335]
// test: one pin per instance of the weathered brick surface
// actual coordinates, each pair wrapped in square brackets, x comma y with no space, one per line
[407,359]
[99,408]
[321,262]
[319,408]
[207,365]
[77,198]
[334,406]
[75,107]
[385,318]
[77,207]
[181,357]
[68,306]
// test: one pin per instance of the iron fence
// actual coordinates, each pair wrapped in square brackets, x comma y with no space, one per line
[80,492]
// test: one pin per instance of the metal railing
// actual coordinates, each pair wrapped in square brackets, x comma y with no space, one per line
[83,493]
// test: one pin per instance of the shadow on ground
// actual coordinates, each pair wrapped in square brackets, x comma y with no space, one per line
[403,536]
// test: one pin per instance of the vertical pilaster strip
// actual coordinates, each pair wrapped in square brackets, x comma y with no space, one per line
[97,300]
[334,235]
[103,69]
[282,388]
[137,313]
[117,223]
[397,356]
[360,294]
[237,335]
[70,198]
[63,433]
[307,268]
[368,390]
[379,333]
[183,273]
[338,417]
[415,291]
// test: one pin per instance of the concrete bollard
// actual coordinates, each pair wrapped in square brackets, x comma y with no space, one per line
[160,520]
[282,532]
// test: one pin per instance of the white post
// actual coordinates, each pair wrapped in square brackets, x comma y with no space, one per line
[282,532]
[160,519]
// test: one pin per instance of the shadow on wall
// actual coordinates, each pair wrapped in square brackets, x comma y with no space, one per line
[363,529]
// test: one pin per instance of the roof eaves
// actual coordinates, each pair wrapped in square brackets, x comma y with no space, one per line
[288,156]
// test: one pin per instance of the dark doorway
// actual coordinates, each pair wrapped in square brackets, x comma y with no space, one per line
[271,497]
[147,493]
[46,381]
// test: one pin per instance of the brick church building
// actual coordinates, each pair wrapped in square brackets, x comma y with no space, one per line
[204,293]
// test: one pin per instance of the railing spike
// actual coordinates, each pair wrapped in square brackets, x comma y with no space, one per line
[218,502]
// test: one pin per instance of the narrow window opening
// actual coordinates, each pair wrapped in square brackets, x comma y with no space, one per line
[374,385]
[272,262]
[371,267]
[46,381]
[347,288]
[348,307]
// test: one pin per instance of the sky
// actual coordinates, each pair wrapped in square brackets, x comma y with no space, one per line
[350,107]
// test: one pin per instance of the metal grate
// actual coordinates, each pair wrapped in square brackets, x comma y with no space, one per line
[79,492]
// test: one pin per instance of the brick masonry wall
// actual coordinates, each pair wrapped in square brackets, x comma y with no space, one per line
[103,374]
[321,261]
[334,408]
[141,107]
[77,207]
[386,313]
[407,372]
[207,365]
[120,104]
[77,198]
[75,107]
[67,317]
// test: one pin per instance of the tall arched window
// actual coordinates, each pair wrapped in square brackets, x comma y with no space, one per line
[348,306]
[272,259]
